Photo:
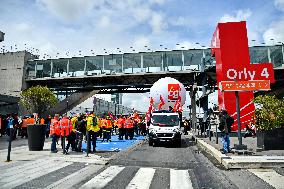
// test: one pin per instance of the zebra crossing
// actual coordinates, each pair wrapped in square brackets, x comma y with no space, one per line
[51,174]
[141,180]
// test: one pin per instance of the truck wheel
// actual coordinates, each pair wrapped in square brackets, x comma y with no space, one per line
[177,142]
[150,142]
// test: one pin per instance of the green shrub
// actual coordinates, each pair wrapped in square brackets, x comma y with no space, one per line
[269,112]
[38,99]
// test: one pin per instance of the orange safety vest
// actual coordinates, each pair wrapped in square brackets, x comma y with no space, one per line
[54,127]
[31,121]
[24,123]
[103,123]
[65,126]
[120,123]
[108,124]
[128,123]
[41,121]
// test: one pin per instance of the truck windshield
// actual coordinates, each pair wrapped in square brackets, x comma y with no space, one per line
[165,120]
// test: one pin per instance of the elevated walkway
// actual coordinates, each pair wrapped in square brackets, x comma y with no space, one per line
[70,102]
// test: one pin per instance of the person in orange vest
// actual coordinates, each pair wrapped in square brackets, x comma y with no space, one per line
[31,120]
[42,121]
[103,127]
[65,127]
[54,132]
[120,125]
[108,129]
[24,125]
[129,130]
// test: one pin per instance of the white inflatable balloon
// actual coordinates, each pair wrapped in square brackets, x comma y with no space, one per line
[170,89]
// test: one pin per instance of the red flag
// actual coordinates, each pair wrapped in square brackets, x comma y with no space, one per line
[151,105]
[162,103]
[177,106]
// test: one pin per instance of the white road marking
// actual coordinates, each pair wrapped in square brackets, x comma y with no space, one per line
[270,176]
[142,179]
[19,169]
[75,178]
[179,179]
[31,174]
[102,179]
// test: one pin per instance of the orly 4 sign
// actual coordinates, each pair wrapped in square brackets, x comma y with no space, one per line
[251,72]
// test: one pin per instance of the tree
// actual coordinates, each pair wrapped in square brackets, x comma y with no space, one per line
[269,112]
[38,99]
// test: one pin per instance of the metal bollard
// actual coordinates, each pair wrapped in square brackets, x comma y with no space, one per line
[88,143]
[10,145]
[216,134]
[63,141]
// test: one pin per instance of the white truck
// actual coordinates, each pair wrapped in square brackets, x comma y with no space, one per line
[165,126]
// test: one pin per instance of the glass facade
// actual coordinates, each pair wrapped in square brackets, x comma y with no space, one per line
[147,62]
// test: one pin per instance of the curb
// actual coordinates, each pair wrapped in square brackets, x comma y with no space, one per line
[123,152]
[240,162]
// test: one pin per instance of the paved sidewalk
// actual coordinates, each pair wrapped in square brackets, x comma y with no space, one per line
[262,159]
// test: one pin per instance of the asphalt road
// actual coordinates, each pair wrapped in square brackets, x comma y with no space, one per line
[142,166]
[165,159]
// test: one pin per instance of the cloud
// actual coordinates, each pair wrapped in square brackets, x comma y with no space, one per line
[138,101]
[160,2]
[140,42]
[158,23]
[104,22]
[276,29]
[239,15]
[279,4]
[69,10]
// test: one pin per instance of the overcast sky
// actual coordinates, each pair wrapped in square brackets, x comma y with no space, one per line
[60,26]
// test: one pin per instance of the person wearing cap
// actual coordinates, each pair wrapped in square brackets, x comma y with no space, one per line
[92,128]
[54,132]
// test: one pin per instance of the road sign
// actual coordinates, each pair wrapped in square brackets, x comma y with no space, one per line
[252,85]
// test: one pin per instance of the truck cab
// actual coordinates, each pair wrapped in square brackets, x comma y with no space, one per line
[165,126]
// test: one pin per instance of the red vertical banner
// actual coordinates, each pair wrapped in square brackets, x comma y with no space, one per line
[229,45]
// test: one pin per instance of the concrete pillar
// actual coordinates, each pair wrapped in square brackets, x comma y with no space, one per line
[162,62]
[85,67]
[67,67]
[283,54]
[182,58]
[103,64]
[193,107]
[142,62]
[122,64]
[51,68]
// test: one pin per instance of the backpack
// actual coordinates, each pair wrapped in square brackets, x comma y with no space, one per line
[230,122]
[94,120]
[221,127]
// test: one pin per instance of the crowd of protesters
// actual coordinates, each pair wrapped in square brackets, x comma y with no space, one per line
[76,128]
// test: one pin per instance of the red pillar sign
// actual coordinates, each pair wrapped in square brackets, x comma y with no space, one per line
[230,47]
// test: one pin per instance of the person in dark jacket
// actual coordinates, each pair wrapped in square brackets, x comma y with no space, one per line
[223,127]
[80,130]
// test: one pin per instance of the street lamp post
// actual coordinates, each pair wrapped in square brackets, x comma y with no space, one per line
[67,106]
